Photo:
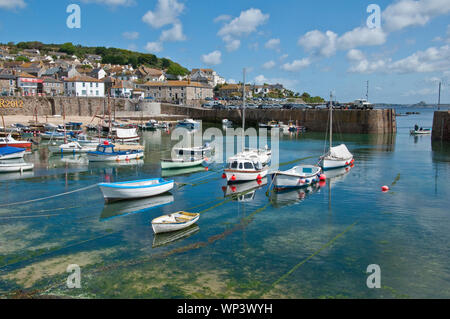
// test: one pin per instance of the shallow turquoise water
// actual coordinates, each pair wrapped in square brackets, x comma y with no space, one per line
[314,243]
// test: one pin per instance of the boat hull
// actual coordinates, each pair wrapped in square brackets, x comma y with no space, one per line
[12,156]
[9,168]
[114,158]
[283,180]
[119,191]
[18,145]
[245,176]
[168,164]
[332,164]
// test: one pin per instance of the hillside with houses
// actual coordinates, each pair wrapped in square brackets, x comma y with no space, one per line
[37,69]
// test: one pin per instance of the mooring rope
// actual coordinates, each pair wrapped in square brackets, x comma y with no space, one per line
[49,197]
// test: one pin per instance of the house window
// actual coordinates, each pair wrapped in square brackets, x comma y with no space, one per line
[97,93]
[96,85]
[83,92]
[84,84]
[91,85]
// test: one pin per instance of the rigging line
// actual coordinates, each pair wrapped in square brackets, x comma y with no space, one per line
[49,197]
[328,244]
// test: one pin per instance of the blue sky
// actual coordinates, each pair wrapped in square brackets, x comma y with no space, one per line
[307,46]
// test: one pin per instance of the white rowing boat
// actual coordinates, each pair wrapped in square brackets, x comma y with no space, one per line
[135,189]
[174,222]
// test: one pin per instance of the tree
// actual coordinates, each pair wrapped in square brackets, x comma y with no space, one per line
[22,58]
[68,48]
[165,63]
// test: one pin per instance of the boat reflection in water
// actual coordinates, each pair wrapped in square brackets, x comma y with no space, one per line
[165,239]
[76,159]
[181,171]
[134,162]
[120,209]
[337,175]
[288,197]
[244,192]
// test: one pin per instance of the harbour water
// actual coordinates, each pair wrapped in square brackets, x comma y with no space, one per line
[309,243]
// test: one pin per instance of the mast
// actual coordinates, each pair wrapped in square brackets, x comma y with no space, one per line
[243,114]
[109,113]
[64,123]
[439,100]
[367,91]
[331,120]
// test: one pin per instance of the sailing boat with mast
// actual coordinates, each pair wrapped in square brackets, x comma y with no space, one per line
[338,156]
[250,164]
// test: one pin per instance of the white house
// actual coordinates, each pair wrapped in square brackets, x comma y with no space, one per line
[124,89]
[84,86]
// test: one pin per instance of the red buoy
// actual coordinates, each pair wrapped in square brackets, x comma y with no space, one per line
[322,183]
[323,177]
[259,177]
[385,189]
[233,178]
[224,176]
[206,168]
[233,189]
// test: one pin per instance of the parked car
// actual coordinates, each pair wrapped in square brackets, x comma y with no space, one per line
[300,107]
[252,106]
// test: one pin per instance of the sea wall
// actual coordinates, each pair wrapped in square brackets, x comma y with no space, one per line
[441,126]
[344,121]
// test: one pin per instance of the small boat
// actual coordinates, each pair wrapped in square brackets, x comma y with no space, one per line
[174,222]
[421,131]
[9,152]
[243,168]
[189,124]
[198,152]
[181,162]
[10,141]
[106,152]
[54,135]
[182,171]
[71,148]
[149,126]
[135,189]
[338,156]
[70,127]
[123,135]
[227,123]
[270,125]
[15,167]
[298,176]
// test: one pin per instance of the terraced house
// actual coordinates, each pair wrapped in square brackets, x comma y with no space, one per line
[181,92]
[7,84]
[84,86]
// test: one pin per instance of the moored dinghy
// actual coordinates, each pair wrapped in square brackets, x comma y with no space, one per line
[135,189]
[174,222]
[9,152]
[106,153]
[71,148]
[298,176]
[15,167]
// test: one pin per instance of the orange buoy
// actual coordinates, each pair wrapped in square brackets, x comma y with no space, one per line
[385,189]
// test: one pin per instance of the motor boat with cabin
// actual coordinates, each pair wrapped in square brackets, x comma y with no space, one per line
[106,153]
[189,124]
[10,141]
[241,168]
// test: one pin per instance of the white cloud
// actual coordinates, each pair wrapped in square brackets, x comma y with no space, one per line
[319,43]
[326,44]
[12,4]
[232,44]
[269,65]
[213,58]
[154,47]
[247,23]
[284,57]
[223,17]
[174,34]
[131,35]
[406,13]
[273,44]
[296,65]
[165,13]
[433,59]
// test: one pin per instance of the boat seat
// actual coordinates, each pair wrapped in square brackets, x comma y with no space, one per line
[182,219]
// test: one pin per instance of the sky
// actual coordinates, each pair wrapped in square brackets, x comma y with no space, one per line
[308,46]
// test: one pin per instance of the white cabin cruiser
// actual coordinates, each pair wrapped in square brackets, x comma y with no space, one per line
[243,168]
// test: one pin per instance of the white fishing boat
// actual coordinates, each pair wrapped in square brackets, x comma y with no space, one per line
[126,135]
[15,167]
[198,152]
[298,176]
[106,153]
[71,148]
[189,124]
[243,169]
[9,152]
[174,222]
[181,162]
[338,156]
[421,131]
[10,141]
[135,189]
[263,155]
[54,136]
